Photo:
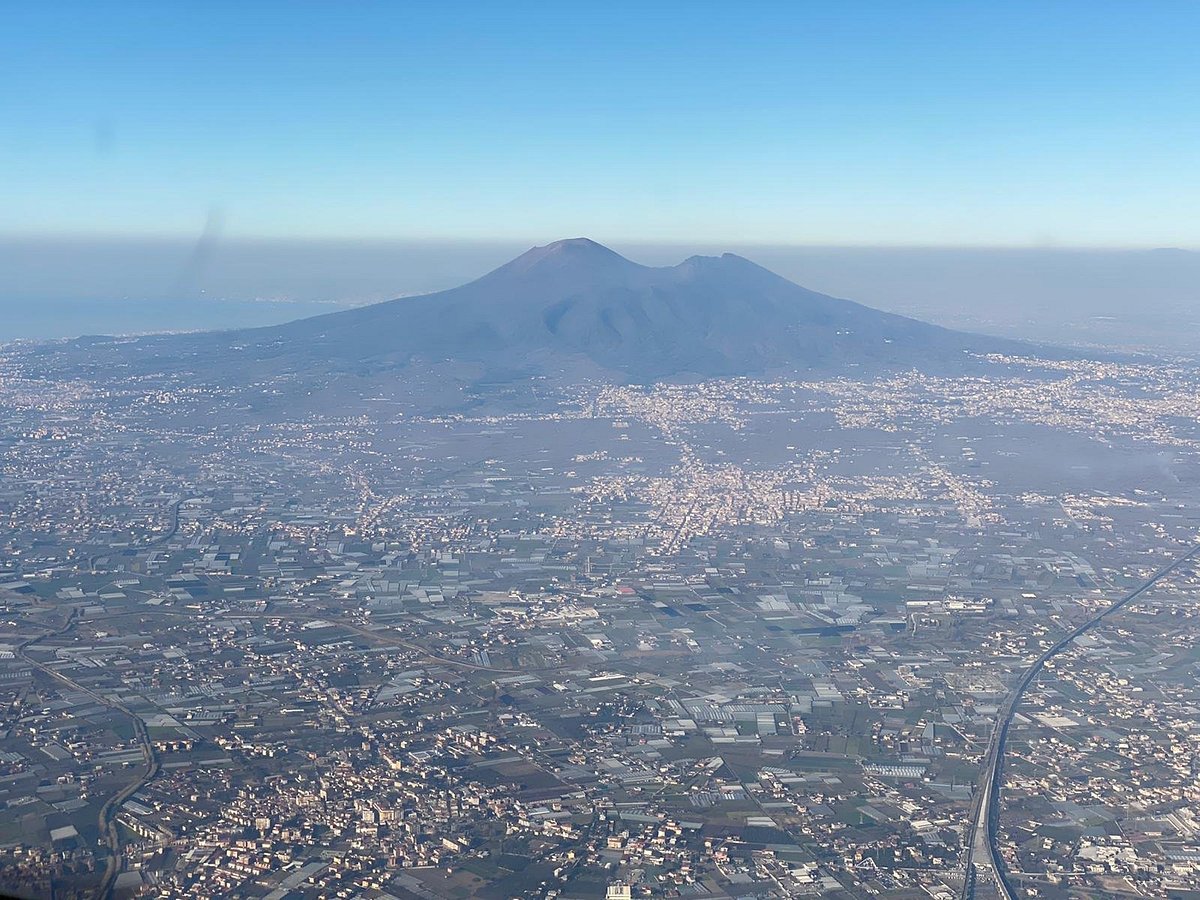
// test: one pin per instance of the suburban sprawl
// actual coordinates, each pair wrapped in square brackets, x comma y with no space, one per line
[731,638]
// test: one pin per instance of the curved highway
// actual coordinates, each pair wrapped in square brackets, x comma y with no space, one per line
[987,810]
[154,541]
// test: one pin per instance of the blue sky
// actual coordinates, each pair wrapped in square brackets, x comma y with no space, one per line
[807,123]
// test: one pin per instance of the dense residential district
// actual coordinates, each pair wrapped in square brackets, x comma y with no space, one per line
[728,639]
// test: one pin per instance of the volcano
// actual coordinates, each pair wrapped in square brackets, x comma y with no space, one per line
[576,302]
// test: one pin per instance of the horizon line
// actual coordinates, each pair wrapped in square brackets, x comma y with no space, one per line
[67,237]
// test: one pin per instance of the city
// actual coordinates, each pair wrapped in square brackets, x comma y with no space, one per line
[727,638]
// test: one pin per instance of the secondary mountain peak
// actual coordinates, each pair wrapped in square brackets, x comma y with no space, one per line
[726,262]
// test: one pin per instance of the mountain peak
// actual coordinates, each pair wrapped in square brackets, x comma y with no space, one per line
[573,257]
[574,245]
[579,248]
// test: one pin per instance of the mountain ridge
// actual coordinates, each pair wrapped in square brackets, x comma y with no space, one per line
[571,310]
[707,315]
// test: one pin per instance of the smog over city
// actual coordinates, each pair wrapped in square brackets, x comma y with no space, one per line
[624,451]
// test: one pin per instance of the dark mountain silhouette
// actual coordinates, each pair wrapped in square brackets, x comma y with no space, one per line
[577,302]
[569,310]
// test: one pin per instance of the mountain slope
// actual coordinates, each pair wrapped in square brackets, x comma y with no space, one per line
[569,310]
[576,302]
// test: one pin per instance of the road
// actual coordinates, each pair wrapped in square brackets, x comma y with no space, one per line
[983,841]
[153,542]
[108,828]
[107,825]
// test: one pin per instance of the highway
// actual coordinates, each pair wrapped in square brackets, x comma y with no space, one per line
[986,820]
[107,825]
[153,542]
